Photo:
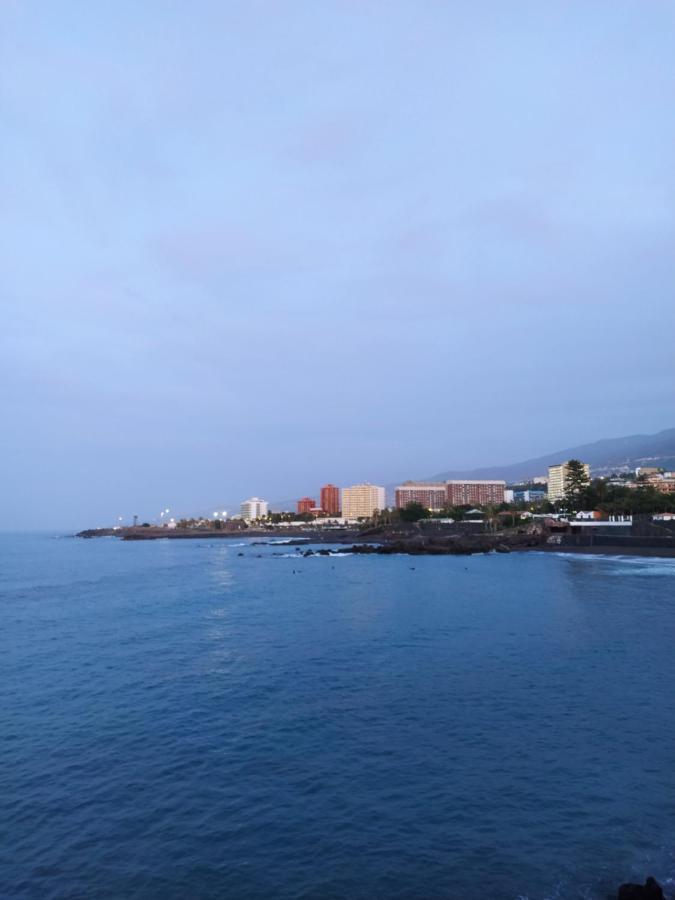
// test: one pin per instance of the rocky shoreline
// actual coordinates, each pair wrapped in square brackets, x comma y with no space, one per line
[417,539]
[384,540]
[460,546]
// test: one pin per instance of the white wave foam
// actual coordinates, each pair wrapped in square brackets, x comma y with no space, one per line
[625,565]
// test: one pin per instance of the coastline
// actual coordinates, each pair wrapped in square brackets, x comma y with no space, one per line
[412,540]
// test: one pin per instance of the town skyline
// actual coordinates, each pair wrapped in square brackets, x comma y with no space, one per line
[440,493]
[604,456]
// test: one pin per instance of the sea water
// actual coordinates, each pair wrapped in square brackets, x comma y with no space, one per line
[178,720]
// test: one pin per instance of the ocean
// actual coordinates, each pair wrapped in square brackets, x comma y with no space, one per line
[181,721]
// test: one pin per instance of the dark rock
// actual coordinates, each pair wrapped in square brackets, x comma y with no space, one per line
[650,890]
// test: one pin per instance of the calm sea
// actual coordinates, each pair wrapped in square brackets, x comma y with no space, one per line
[179,721]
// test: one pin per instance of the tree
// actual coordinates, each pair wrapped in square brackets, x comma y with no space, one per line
[453,512]
[413,512]
[577,484]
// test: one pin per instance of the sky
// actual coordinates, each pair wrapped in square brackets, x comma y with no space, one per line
[251,247]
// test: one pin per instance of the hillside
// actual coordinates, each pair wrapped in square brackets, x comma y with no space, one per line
[605,456]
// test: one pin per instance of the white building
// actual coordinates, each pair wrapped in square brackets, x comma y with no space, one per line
[557,479]
[255,508]
[361,501]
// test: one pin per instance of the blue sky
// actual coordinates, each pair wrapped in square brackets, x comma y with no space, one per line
[251,247]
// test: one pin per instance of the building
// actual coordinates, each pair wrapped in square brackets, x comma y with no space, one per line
[557,479]
[255,508]
[361,501]
[664,486]
[647,470]
[428,494]
[529,496]
[330,499]
[474,493]
[306,505]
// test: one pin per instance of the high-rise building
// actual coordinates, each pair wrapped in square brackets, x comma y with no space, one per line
[361,501]
[330,499]
[255,508]
[474,493]
[557,479]
[430,495]
[306,505]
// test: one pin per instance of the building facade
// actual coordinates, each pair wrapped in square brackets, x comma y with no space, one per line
[361,501]
[306,505]
[664,485]
[428,494]
[255,508]
[528,496]
[474,493]
[330,499]
[557,479]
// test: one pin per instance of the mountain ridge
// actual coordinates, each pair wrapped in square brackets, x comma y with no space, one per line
[604,456]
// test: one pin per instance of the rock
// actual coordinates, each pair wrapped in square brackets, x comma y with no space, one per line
[650,890]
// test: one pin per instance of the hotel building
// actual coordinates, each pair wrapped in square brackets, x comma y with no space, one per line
[306,505]
[557,479]
[330,499]
[474,493]
[361,501]
[255,508]
[430,495]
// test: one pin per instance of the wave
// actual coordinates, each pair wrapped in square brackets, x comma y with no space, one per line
[619,564]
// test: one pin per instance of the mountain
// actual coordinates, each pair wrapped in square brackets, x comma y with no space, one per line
[605,456]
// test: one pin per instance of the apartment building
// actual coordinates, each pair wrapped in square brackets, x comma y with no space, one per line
[361,501]
[255,508]
[557,479]
[429,494]
[330,499]
[474,492]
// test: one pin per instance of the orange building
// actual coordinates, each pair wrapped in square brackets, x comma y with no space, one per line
[306,505]
[330,499]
